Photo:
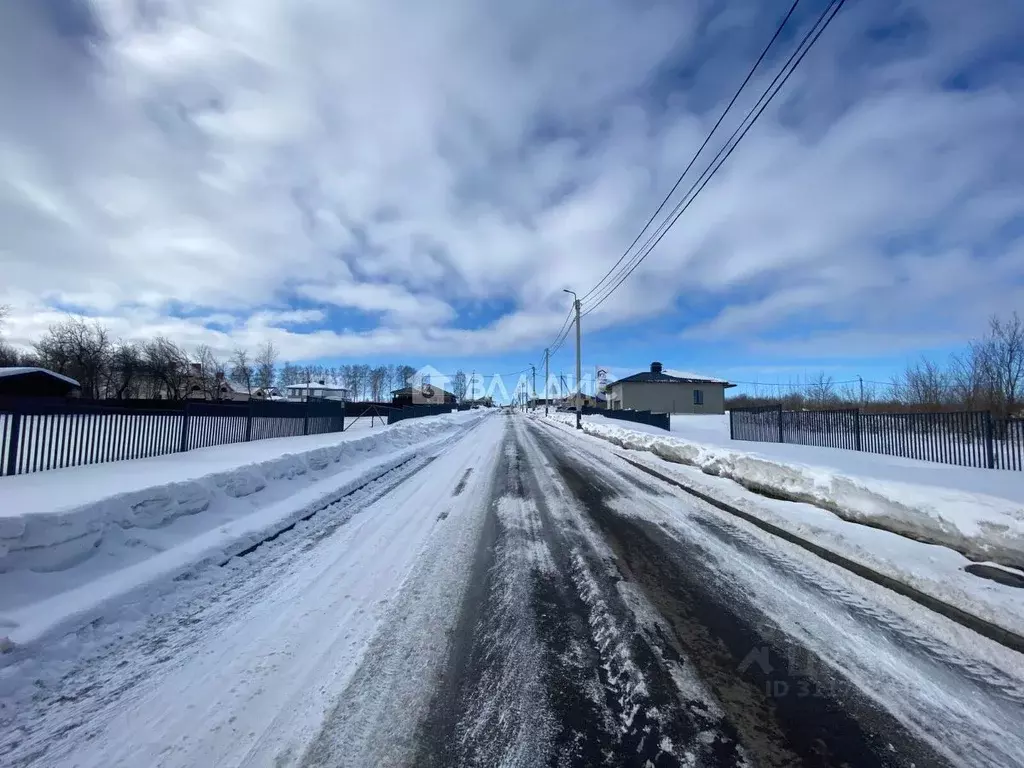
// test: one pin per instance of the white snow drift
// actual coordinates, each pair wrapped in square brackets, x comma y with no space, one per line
[59,557]
[980,526]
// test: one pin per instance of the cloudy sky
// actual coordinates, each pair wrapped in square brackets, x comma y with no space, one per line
[400,181]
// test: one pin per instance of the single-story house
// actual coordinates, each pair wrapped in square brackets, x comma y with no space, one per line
[317,389]
[422,395]
[37,382]
[664,391]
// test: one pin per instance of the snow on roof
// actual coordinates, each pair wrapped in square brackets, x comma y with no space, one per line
[694,376]
[21,371]
[668,376]
[317,385]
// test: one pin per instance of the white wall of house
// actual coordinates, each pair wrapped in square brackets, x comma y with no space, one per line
[665,397]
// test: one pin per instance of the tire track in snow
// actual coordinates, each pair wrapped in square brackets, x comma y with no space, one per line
[550,665]
[830,725]
[654,713]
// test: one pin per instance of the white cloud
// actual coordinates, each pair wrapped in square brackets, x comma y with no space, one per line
[397,158]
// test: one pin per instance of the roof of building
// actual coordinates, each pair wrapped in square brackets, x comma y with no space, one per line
[22,371]
[659,375]
[318,386]
[410,390]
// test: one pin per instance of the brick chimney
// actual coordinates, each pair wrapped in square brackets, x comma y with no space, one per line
[655,367]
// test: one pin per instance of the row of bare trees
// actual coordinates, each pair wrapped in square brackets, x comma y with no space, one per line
[987,376]
[160,368]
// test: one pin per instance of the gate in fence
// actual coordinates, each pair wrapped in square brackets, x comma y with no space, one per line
[41,434]
[966,438]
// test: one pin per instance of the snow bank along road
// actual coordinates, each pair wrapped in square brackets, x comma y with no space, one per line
[518,597]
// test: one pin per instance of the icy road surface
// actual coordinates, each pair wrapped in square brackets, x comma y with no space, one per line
[517,597]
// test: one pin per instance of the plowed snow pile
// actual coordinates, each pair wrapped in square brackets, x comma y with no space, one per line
[78,536]
[981,526]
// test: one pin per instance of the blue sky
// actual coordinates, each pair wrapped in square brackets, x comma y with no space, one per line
[404,182]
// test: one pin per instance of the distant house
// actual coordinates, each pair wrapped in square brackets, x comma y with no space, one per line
[316,389]
[228,390]
[37,382]
[664,391]
[422,395]
[220,389]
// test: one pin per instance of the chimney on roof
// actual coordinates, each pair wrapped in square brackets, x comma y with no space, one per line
[655,367]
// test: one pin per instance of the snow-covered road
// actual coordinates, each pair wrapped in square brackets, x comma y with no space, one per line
[519,596]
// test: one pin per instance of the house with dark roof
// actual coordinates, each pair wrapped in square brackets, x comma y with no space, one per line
[37,382]
[424,394]
[668,391]
[322,390]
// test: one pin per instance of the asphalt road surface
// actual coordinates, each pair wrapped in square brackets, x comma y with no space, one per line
[579,613]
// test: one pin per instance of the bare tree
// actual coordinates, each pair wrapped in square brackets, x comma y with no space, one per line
[348,379]
[459,385]
[79,349]
[210,374]
[822,390]
[127,369]
[1004,357]
[405,376]
[289,374]
[167,365]
[378,377]
[241,369]
[8,355]
[266,366]
[363,376]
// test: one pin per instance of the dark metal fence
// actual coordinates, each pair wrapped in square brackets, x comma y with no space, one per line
[660,420]
[967,438]
[41,434]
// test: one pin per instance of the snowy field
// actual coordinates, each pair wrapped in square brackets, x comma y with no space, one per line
[73,539]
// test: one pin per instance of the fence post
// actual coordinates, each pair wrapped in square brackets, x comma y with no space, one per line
[989,443]
[248,421]
[183,445]
[731,437]
[12,449]
[782,437]
[856,431]
[305,418]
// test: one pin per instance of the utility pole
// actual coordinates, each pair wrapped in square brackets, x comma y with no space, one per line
[547,381]
[861,380]
[472,385]
[533,368]
[579,373]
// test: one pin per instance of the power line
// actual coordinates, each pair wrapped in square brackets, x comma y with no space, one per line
[696,155]
[793,385]
[561,336]
[723,154]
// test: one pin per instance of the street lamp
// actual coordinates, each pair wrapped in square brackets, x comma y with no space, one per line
[579,397]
